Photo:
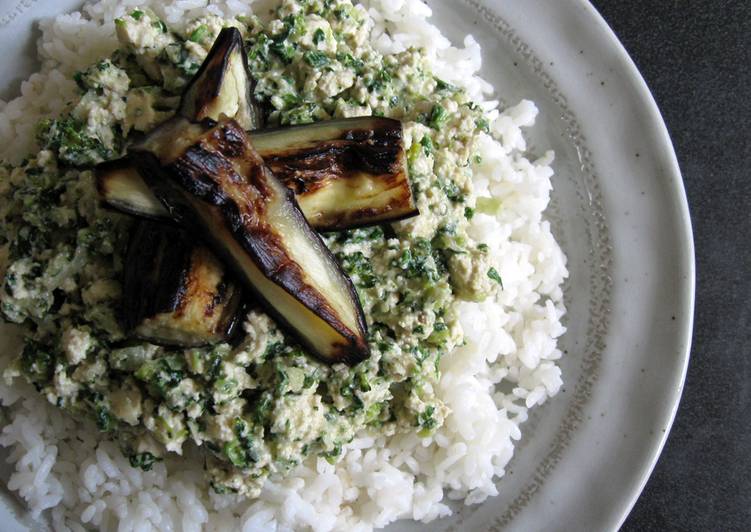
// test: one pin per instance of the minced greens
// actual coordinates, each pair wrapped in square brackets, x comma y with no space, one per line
[262,406]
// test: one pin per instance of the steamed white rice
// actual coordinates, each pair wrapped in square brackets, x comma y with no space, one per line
[68,475]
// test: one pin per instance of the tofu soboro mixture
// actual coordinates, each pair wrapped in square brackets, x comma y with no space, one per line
[261,406]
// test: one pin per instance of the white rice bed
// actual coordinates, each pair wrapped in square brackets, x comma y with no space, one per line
[66,474]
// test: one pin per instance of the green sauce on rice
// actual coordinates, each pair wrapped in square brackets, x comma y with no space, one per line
[261,407]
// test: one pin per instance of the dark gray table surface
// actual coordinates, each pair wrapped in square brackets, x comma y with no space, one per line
[696,59]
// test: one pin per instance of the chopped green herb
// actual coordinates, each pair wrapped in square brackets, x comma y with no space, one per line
[425,418]
[318,36]
[350,62]
[316,59]
[357,236]
[199,34]
[73,143]
[144,461]
[427,145]
[333,455]
[302,114]
[418,261]
[294,26]
[262,408]
[235,454]
[452,190]
[162,374]
[438,116]
[362,382]
[285,52]
[221,489]
[161,26]
[259,50]
[37,362]
[493,274]
[104,420]
[359,267]
[420,353]
[445,86]
[373,413]
[439,335]
[379,81]
[273,350]
[290,99]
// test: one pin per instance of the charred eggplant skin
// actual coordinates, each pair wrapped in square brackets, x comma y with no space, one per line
[223,85]
[176,292]
[344,173]
[210,174]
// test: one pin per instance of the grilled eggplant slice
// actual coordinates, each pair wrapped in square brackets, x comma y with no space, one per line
[345,173]
[209,174]
[177,292]
[223,85]
[120,185]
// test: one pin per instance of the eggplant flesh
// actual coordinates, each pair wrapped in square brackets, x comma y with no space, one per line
[344,173]
[223,85]
[210,175]
[176,292]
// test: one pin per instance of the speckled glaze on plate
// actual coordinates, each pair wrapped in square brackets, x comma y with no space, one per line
[619,211]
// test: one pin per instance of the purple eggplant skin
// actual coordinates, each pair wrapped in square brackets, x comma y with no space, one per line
[223,85]
[176,293]
[210,175]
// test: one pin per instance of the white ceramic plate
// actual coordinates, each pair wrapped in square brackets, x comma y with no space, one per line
[620,213]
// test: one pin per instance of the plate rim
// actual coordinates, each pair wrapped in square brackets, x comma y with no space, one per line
[685,247]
